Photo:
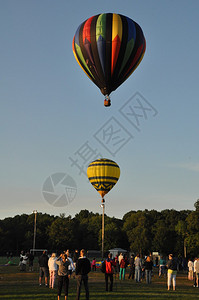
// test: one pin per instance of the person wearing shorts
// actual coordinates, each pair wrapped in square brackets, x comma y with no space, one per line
[43,268]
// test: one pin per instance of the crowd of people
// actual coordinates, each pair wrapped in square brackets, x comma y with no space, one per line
[64,266]
[143,268]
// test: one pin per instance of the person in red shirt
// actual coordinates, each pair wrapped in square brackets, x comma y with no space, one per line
[109,271]
[93,264]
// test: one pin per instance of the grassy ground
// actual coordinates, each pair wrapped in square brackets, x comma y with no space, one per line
[24,285]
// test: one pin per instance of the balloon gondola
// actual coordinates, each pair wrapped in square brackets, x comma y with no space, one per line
[109,47]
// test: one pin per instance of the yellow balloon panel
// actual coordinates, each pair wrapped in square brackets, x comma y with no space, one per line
[103,174]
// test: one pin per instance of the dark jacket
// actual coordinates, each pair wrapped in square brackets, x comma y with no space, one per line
[148,265]
[83,266]
[172,264]
[132,266]
[43,261]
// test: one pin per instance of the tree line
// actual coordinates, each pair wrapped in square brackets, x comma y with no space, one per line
[167,231]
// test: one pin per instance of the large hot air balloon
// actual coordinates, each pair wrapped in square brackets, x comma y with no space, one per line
[109,47]
[103,174]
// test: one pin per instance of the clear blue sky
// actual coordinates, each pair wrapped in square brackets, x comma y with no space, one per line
[50,109]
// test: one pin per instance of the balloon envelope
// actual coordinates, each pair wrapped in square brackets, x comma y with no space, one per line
[103,174]
[109,47]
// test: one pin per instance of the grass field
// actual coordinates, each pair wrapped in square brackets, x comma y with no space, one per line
[24,285]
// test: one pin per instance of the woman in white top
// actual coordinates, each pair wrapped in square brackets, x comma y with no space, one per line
[71,267]
[52,270]
[190,267]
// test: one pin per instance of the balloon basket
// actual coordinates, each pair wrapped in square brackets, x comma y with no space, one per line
[107,102]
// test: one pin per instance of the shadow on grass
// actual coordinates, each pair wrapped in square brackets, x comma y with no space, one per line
[15,285]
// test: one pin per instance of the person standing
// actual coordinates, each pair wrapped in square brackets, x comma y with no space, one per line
[83,267]
[75,257]
[132,267]
[109,270]
[172,271]
[197,272]
[30,259]
[194,271]
[162,264]
[148,265]
[23,261]
[43,268]
[93,264]
[120,257]
[63,280]
[71,267]
[123,265]
[190,268]
[52,265]
[138,266]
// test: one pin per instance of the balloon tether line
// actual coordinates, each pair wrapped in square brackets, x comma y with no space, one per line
[103,208]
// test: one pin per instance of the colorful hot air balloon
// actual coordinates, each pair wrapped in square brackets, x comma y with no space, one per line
[103,175]
[109,47]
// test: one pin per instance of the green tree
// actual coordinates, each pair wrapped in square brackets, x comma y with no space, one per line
[61,233]
[196,205]
[181,229]
[114,237]
[192,240]
[138,232]
[163,238]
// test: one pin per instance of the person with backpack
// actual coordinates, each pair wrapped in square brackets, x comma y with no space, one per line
[109,271]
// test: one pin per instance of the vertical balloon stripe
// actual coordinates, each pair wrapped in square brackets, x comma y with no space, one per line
[116,27]
[95,53]
[78,53]
[100,38]
[77,59]
[108,78]
[130,42]
[131,29]
[136,60]
[86,33]
[82,60]
[139,61]
[128,52]
[101,26]
[116,40]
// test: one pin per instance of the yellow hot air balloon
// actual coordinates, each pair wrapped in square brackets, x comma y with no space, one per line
[103,174]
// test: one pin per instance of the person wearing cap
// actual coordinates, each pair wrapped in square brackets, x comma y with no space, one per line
[172,271]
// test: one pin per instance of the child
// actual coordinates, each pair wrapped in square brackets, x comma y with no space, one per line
[93,264]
